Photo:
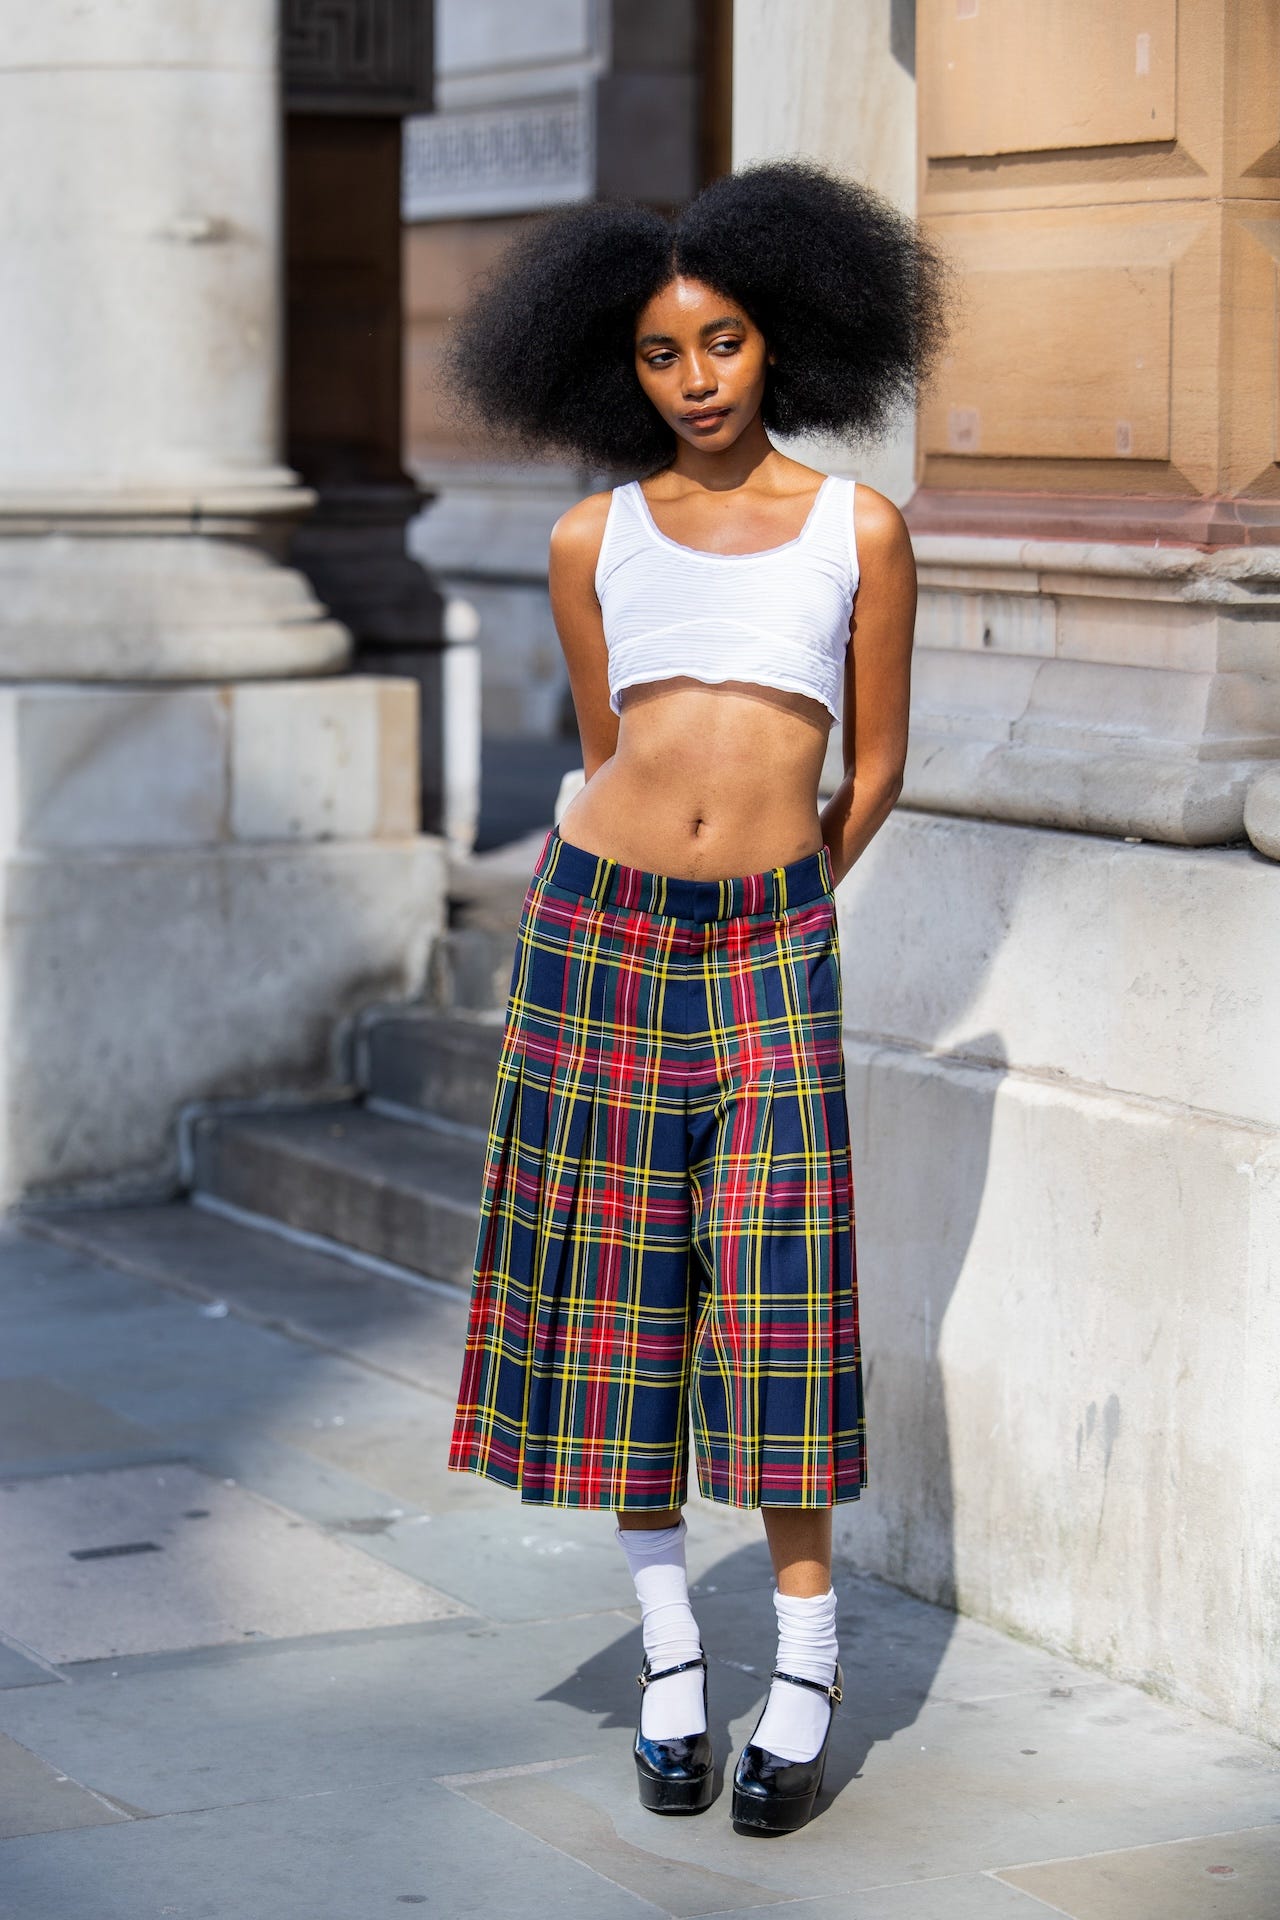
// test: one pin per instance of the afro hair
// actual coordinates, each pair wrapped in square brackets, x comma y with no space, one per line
[848,293]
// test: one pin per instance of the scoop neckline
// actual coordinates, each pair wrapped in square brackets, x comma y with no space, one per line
[757,553]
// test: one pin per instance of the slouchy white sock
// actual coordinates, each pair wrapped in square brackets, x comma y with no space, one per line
[795,1719]
[655,1556]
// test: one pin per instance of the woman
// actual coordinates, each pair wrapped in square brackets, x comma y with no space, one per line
[667,1215]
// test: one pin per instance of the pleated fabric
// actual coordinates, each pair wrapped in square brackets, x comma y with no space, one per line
[665,1255]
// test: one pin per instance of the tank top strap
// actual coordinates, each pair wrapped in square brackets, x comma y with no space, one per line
[833,529]
[613,537]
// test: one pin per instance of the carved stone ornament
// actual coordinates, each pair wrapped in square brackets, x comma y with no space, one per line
[357,56]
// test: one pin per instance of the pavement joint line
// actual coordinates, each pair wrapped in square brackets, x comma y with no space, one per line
[213,1653]
[454,1781]
[62,1775]
[995,1873]
[735,1885]
[1140,1846]
[1019,1693]
[584,1866]
[107,1460]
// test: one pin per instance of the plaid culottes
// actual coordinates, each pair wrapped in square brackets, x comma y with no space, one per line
[666,1220]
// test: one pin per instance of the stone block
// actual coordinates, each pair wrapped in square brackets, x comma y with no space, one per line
[1142,970]
[1071,1317]
[110,767]
[323,759]
[137,983]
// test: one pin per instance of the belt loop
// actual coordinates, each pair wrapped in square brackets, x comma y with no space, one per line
[780,889]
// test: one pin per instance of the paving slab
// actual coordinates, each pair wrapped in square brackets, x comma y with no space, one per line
[529,1562]
[36,1798]
[327,1712]
[298,1289]
[45,1426]
[399,1847]
[477,1760]
[1231,1876]
[141,1558]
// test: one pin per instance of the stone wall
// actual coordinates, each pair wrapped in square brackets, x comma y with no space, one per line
[1064,1045]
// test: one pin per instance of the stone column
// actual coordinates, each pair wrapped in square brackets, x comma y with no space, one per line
[142,497]
[859,117]
[1098,520]
[208,841]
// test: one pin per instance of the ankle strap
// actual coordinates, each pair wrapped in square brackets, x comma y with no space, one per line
[834,1693]
[646,1679]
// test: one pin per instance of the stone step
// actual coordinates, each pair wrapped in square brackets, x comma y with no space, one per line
[436,1063]
[470,968]
[401,1192]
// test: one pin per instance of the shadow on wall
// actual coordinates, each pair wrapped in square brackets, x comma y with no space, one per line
[922,1096]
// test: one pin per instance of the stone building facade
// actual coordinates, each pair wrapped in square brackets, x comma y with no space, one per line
[1063,1017]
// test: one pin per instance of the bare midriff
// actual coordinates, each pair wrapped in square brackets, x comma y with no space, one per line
[706,781]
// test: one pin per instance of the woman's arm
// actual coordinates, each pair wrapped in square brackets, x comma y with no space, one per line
[574,552]
[877,682]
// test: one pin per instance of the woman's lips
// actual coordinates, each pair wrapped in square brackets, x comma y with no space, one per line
[711,418]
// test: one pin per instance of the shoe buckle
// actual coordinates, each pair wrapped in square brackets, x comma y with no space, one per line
[836,1693]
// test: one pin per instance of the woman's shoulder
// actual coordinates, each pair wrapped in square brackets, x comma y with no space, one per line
[878,523]
[577,534]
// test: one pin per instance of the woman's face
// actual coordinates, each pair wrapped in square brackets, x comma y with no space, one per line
[697,353]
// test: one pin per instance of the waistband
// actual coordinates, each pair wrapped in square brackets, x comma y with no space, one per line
[613,883]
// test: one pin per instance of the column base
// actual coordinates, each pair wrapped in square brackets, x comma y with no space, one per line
[160,583]
[196,884]
[1110,689]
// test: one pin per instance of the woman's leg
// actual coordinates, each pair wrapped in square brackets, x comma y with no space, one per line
[654,1546]
[795,1720]
[800,1543]
[629,1520]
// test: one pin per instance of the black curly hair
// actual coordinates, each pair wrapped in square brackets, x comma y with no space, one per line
[848,293]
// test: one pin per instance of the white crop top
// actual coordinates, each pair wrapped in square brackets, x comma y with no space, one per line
[778,618]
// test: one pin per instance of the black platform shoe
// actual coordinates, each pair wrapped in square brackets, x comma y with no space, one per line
[772,1795]
[675,1775]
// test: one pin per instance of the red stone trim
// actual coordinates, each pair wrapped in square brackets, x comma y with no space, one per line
[1134,519]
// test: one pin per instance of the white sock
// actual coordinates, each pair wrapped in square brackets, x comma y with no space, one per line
[655,1556]
[795,1719]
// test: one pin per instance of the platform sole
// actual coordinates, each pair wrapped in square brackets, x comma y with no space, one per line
[786,1814]
[675,1796]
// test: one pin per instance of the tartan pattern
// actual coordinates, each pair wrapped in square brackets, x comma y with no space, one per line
[666,1220]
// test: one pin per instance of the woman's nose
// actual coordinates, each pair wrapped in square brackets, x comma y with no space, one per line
[699,380]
